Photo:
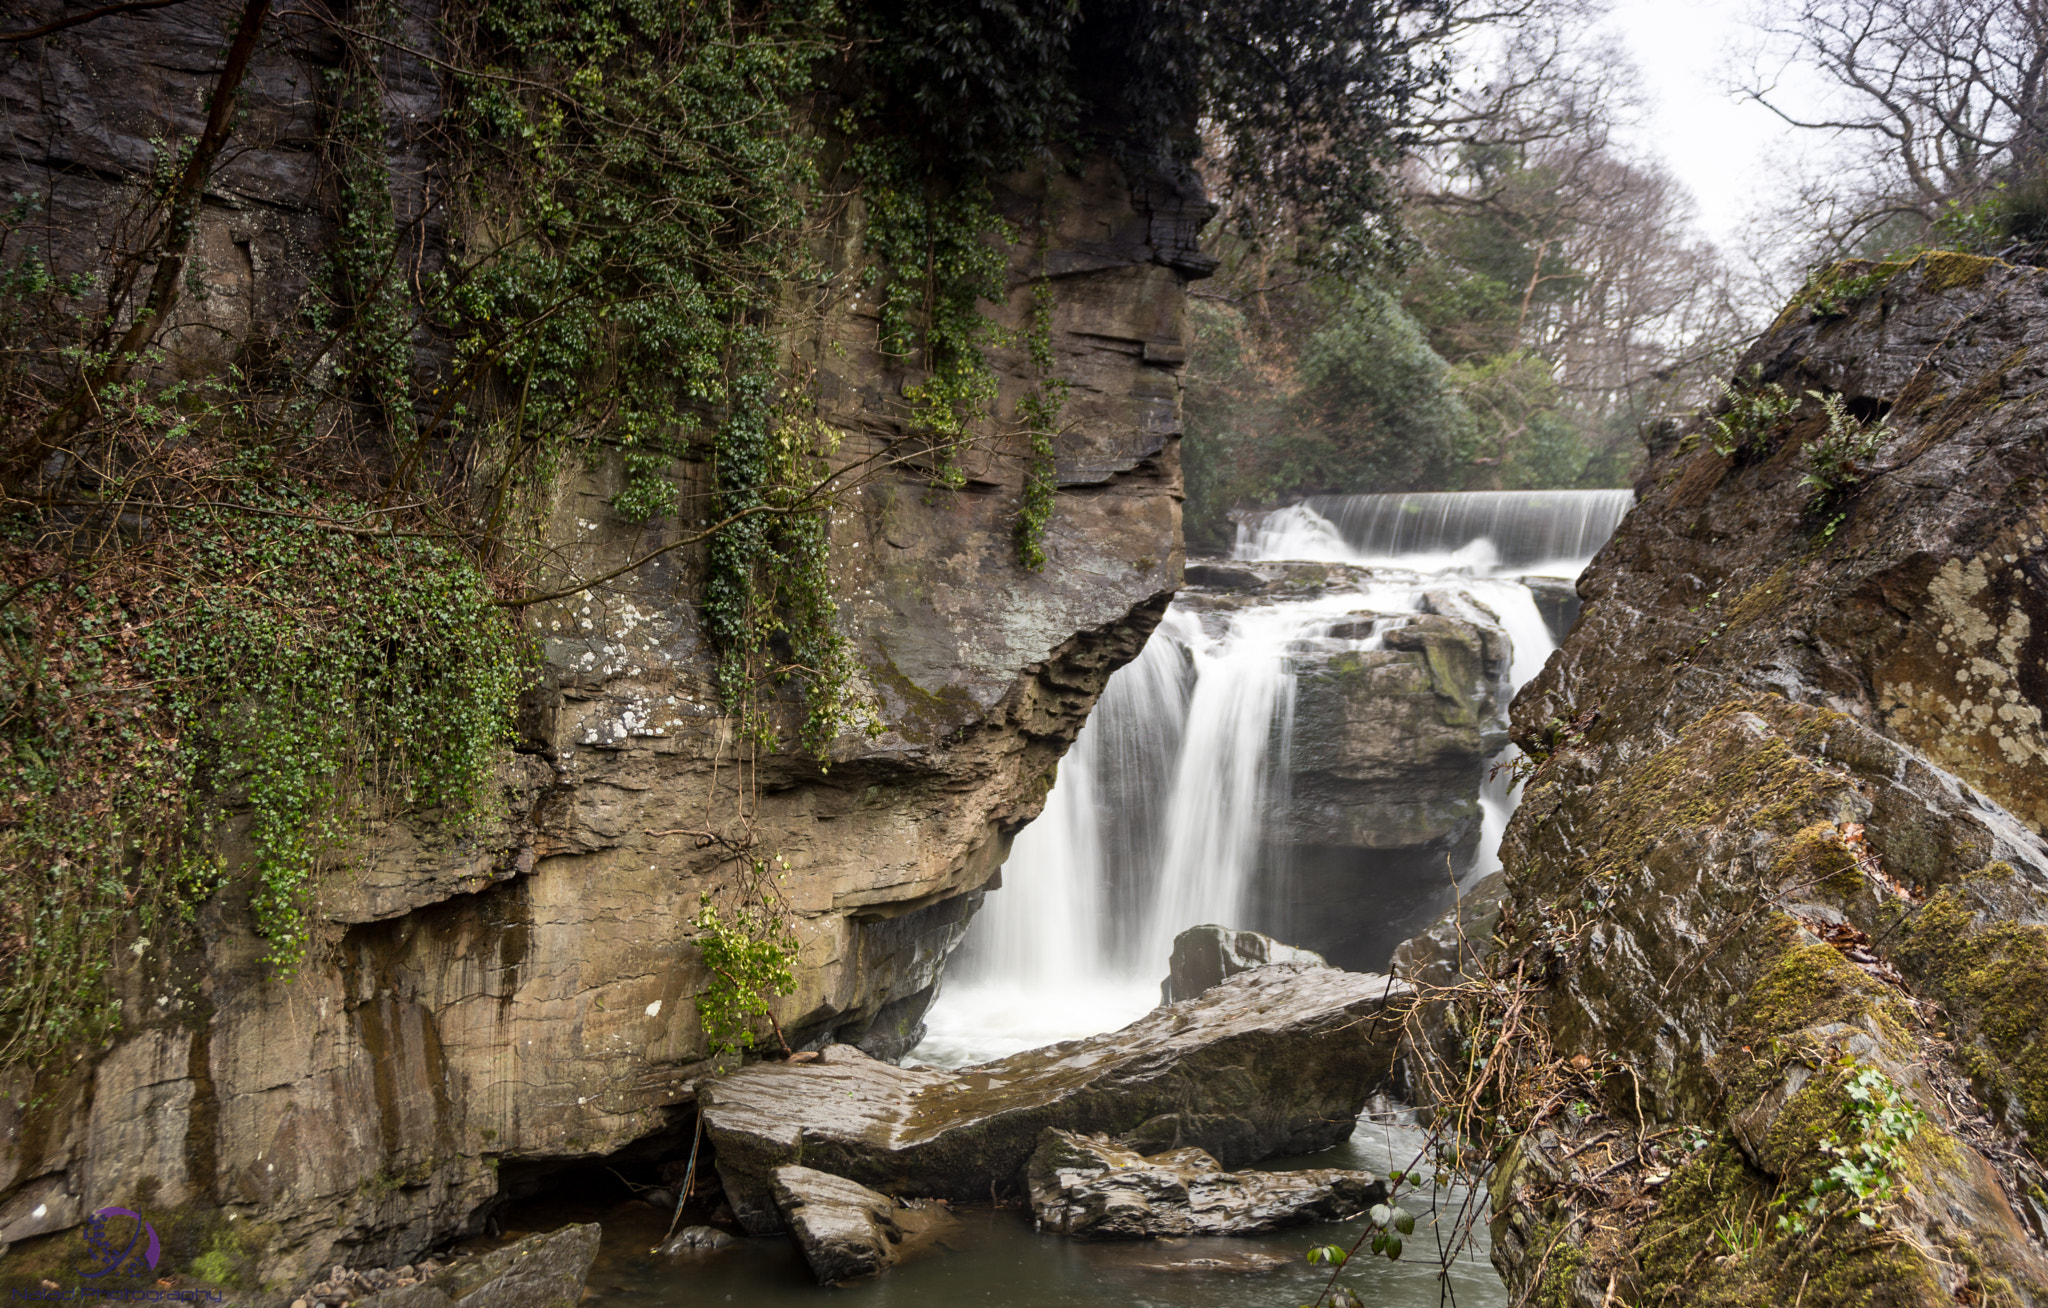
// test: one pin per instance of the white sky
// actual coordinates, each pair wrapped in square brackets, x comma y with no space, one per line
[1736,155]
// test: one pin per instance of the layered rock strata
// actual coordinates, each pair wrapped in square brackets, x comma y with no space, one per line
[1779,875]
[522,992]
[1275,1061]
[1090,1188]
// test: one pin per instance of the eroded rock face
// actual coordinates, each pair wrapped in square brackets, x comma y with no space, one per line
[1786,830]
[1091,1188]
[524,989]
[1389,749]
[1205,956]
[1274,1061]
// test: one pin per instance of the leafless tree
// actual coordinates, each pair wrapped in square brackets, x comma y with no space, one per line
[1937,103]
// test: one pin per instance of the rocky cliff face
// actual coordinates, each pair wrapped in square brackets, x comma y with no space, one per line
[1781,866]
[476,1010]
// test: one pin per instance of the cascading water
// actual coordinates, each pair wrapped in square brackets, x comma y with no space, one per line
[1162,814]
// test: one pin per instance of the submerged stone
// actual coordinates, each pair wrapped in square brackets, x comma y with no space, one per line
[695,1240]
[1204,956]
[1274,1061]
[1092,1188]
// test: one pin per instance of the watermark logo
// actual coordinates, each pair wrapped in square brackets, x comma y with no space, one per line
[114,1242]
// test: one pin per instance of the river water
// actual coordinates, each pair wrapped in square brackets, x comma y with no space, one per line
[1158,822]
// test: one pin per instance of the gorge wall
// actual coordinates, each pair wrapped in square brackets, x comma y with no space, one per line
[1783,845]
[478,1006]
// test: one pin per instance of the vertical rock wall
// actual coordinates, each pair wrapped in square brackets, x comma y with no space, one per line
[524,991]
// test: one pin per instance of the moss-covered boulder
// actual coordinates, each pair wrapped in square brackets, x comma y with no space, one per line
[1777,894]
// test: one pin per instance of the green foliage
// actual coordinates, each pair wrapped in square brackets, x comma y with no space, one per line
[751,957]
[378,664]
[1867,1172]
[1362,404]
[1836,456]
[1752,417]
[638,242]
[635,196]
[369,313]
[1039,411]
[972,89]
[2015,211]
[934,261]
[248,658]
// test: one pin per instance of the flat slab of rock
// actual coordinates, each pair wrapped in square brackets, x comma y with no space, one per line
[1274,1061]
[1092,1188]
[541,1271]
[1205,956]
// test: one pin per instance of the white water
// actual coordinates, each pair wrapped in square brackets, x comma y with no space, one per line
[1158,819]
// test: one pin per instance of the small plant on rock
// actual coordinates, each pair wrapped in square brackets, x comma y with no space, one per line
[751,957]
[1838,454]
[1867,1173]
[1754,413]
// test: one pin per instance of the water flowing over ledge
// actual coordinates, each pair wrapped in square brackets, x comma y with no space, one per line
[1172,807]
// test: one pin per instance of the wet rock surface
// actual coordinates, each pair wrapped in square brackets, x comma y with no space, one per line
[1205,956]
[1784,834]
[845,1230]
[1274,1061]
[1389,750]
[694,1240]
[541,1271]
[1092,1188]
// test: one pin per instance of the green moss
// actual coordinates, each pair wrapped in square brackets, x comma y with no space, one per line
[1992,981]
[1946,270]
[1719,772]
[1566,1257]
[1765,599]
[1816,857]
[1835,289]
[1709,1245]
[1811,985]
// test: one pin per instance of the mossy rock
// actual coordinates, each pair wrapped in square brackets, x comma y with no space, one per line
[1991,978]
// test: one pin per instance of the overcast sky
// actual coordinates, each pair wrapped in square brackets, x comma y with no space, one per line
[1734,154]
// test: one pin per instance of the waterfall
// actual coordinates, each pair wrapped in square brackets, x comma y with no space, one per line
[1159,819]
[1549,533]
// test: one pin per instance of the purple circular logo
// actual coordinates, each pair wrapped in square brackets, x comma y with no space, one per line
[110,1240]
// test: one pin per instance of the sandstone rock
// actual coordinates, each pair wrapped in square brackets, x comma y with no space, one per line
[1457,942]
[1557,599]
[1215,576]
[1091,1188]
[1274,1061]
[523,986]
[846,1231]
[1204,956]
[541,1271]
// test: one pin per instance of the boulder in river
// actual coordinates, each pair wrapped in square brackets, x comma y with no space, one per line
[1092,1188]
[845,1230]
[1204,956]
[1274,1061]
